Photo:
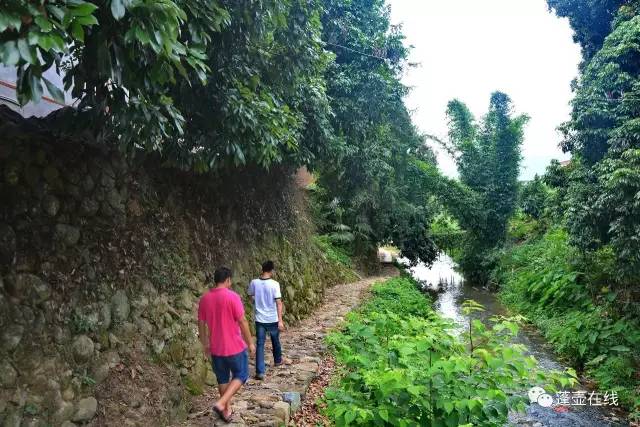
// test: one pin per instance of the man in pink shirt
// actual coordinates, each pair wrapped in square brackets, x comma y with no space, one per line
[225,336]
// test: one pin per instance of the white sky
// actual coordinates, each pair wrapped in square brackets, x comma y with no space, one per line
[468,49]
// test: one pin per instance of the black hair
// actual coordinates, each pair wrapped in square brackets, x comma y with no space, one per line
[221,274]
[267,266]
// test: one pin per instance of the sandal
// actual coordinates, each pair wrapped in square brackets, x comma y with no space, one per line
[221,414]
[284,361]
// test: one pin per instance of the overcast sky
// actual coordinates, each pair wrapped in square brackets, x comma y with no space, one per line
[468,49]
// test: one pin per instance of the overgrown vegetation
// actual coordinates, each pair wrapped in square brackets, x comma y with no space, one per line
[333,252]
[213,86]
[576,269]
[447,234]
[371,188]
[206,83]
[402,366]
[603,137]
[570,299]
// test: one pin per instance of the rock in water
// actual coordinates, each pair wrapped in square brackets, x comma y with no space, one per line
[85,410]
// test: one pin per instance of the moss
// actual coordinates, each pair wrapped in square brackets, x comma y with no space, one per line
[103,339]
[176,351]
[194,387]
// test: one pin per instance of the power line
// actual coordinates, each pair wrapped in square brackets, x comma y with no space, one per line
[605,99]
[356,51]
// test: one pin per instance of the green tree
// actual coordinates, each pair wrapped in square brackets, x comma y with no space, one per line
[556,178]
[533,197]
[604,136]
[266,102]
[119,57]
[373,182]
[488,159]
[590,20]
[205,83]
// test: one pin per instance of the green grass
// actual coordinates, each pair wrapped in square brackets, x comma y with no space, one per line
[195,388]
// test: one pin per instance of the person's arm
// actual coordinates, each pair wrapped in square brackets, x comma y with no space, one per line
[238,315]
[250,289]
[280,307]
[246,335]
[203,332]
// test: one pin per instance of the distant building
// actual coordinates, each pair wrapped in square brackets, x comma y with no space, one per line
[46,105]
[565,163]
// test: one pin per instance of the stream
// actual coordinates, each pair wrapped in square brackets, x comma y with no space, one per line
[452,292]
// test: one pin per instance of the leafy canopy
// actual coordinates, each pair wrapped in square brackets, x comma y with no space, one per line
[372,186]
[604,137]
[205,83]
[590,20]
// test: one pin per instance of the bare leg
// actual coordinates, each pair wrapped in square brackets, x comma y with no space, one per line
[222,388]
[227,391]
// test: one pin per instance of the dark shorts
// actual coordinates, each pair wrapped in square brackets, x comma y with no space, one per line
[234,367]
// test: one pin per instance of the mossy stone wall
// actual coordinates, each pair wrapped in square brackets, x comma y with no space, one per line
[102,261]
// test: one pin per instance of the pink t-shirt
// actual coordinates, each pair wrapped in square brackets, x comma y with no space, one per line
[221,309]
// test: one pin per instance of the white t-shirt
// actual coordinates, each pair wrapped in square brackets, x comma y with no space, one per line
[265,292]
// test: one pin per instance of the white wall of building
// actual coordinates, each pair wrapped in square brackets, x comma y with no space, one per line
[45,106]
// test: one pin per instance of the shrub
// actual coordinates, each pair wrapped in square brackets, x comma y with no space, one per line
[564,294]
[401,365]
[333,252]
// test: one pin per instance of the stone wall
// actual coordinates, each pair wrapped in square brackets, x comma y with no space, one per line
[102,260]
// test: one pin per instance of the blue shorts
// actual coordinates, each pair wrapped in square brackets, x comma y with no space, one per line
[231,367]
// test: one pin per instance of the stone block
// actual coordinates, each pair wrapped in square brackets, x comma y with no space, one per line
[282,410]
[293,399]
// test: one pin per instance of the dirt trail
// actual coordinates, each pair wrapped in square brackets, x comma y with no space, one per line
[260,403]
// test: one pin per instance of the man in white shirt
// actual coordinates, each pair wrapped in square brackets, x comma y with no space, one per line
[268,309]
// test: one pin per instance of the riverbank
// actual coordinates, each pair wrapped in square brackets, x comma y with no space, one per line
[575,305]
[448,302]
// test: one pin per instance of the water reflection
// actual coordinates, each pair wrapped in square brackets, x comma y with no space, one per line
[442,278]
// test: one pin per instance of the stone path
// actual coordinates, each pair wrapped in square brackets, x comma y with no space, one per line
[260,403]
